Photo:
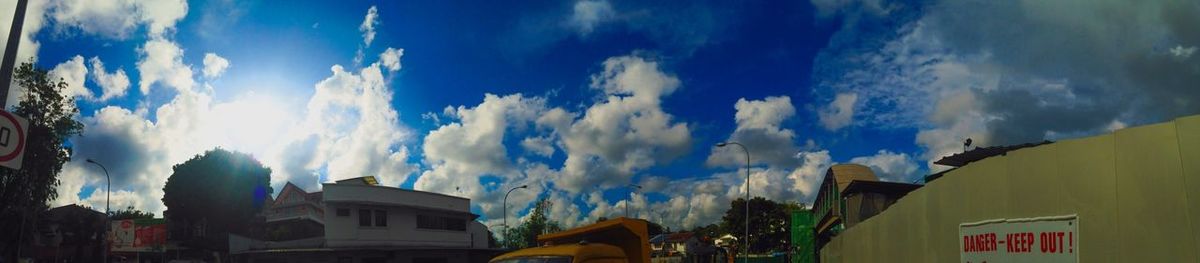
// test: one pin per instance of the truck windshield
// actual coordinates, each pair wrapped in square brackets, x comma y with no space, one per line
[538,259]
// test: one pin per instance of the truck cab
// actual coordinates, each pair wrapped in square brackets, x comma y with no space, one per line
[620,240]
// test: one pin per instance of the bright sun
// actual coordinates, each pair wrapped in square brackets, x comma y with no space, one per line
[251,123]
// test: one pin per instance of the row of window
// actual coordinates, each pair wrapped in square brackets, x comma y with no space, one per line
[441,223]
[378,218]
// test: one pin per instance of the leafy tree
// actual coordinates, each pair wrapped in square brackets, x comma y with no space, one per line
[217,193]
[51,123]
[525,235]
[768,224]
[130,213]
[653,229]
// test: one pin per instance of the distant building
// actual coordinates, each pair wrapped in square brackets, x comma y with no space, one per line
[68,233]
[670,244]
[849,194]
[294,214]
[371,223]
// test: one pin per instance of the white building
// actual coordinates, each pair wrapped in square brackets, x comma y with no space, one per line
[365,222]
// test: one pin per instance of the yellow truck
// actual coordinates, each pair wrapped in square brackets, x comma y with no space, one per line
[620,240]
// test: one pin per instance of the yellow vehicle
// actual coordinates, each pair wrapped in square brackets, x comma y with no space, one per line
[620,240]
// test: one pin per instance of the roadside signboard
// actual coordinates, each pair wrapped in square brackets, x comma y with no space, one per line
[1041,239]
[13,132]
[138,235]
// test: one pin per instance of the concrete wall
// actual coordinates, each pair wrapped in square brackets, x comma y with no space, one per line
[401,229]
[1136,193]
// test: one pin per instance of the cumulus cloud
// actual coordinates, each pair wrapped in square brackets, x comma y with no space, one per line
[74,73]
[161,61]
[461,153]
[840,111]
[759,128]
[589,14]
[390,58]
[113,84]
[118,19]
[214,65]
[890,166]
[627,131]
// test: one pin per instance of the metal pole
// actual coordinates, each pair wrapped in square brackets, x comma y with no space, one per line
[505,216]
[747,249]
[10,51]
[107,196]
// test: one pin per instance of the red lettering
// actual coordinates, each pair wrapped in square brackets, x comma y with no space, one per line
[1060,242]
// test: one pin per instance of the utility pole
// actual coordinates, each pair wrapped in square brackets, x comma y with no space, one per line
[10,51]
[6,71]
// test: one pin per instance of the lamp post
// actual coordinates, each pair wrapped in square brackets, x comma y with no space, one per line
[107,196]
[506,205]
[638,187]
[723,144]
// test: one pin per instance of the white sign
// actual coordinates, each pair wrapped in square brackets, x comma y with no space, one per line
[13,131]
[1042,239]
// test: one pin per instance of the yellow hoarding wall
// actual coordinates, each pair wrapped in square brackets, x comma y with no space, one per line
[1135,193]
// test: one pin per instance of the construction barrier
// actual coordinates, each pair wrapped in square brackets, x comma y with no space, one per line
[1129,196]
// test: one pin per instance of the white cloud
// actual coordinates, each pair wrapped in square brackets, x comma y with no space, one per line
[626,132]
[74,73]
[368,25]
[953,71]
[351,128]
[1183,52]
[759,128]
[840,111]
[214,65]
[589,14]
[161,61]
[390,58]
[460,153]
[118,19]
[113,84]
[538,145]
[890,166]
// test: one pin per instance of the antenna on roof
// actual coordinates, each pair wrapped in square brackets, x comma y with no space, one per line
[966,144]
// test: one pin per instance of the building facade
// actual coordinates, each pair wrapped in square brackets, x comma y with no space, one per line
[365,222]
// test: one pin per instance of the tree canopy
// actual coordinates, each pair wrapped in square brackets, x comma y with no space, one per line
[221,188]
[768,224]
[525,234]
[130,213]
[51,123]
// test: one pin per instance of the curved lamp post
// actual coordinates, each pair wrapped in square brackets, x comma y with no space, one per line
[723,144]
[638,187]
[107,196]
[506,204]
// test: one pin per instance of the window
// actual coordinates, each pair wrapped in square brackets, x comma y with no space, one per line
[380,218]
[441,223]
[364,217]
[343,212]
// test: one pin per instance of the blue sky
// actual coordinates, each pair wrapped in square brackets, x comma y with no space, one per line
[579,99]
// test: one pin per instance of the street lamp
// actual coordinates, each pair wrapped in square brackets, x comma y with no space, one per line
[723,144]
[506,205]
[630,198]
[107,196]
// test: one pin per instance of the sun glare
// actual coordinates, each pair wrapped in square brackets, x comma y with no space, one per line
[251,123]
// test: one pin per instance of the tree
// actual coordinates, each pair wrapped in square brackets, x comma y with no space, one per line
[768,224]
[51,123]
[219,193]
[130,213]
[525,235]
